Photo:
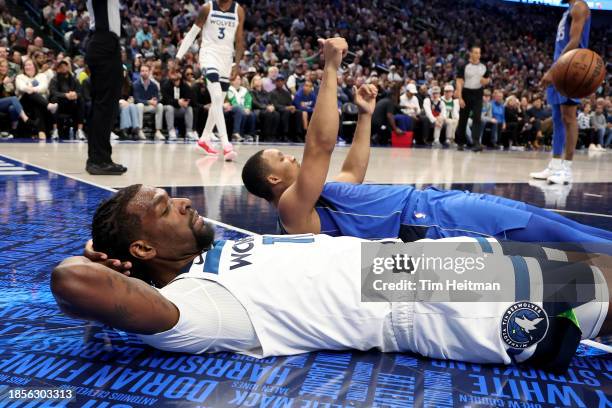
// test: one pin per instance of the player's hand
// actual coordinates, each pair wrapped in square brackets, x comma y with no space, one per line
[334,49]
[546,80]
[365,98]
[102,258]
[461,103]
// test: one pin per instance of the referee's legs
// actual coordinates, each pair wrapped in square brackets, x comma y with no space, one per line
[104,61]
[475,103]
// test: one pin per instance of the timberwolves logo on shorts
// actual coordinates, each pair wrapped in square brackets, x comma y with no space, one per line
[523,324]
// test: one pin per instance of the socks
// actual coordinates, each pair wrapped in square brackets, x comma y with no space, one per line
[215,114]
[556,163]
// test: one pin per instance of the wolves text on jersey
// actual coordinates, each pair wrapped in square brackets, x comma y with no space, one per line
[240,252]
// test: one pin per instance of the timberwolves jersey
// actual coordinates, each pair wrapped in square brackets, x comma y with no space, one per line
[301,292]
[220,29]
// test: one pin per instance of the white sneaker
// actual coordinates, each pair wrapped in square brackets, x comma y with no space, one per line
[159,135]
[544,174]
[81,135]
[171,134]
[237,138]
[191,136]
[55,135]
[561,176]
[141,135]
[228,152]
[600,148]
[593,148]
[114,136]
[213,137]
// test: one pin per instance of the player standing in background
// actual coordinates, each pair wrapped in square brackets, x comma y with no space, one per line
[573,32]
[221,23]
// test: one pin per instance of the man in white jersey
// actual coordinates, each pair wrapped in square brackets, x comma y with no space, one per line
[221,23]
[280,295]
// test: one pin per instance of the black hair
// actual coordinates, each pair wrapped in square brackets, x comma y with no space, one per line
[254,176]
[113,227]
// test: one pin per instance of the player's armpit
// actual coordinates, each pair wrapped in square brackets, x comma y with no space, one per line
[297,202]
[92,291]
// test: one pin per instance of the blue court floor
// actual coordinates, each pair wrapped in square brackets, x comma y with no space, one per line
[45,217]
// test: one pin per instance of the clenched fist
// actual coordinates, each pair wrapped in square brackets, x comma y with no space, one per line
[334,49]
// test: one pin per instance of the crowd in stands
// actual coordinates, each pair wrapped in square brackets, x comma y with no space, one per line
[409,50]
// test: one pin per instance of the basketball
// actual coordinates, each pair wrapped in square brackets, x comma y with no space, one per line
[578,73]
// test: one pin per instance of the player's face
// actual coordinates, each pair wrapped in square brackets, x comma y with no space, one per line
[171,225]
[283,166]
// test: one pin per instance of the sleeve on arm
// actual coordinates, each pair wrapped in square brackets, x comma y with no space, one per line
[461,72]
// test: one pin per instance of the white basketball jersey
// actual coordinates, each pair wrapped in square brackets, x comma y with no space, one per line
[301,292]
[220,29]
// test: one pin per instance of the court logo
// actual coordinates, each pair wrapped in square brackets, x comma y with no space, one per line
[523,324]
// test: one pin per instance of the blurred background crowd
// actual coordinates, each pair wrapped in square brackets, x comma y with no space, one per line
[410,50]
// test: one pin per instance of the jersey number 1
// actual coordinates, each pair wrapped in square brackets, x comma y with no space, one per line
[221,33]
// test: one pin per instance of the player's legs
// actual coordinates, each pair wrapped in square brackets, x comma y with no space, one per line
[570,123]
[540,229]
[587,229]
[558,132]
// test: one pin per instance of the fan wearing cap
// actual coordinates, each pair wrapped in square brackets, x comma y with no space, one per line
[435,110]
[452,112]
[65,90]
[409,103]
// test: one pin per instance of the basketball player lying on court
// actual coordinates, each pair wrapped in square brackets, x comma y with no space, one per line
[306,203]
[281,295]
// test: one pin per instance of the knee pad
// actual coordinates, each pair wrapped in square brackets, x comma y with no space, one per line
[212,77]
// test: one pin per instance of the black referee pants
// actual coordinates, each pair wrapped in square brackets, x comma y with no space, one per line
[104,60]
[473,105]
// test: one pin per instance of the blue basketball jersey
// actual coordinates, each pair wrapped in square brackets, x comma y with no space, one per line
[563,33]
[563,36]
[364,210]
[374,211]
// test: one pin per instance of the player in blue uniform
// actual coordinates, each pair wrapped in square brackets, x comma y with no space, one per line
[572,33]
[307,204]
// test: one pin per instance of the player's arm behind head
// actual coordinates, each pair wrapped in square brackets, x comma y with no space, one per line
[92,291]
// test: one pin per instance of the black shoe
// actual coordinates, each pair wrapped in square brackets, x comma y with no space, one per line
[460,148]
[119,166]
[103,170]
[123,134]
[477,148]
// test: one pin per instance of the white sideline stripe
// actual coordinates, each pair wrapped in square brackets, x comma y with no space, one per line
[12,168]
[597,345]
[18,173]
[583,213]
[219,223]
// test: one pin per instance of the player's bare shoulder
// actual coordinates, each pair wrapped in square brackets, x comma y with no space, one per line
[241,13]
[203,15]
[581,8]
